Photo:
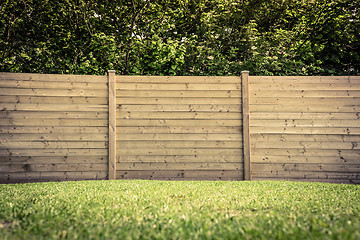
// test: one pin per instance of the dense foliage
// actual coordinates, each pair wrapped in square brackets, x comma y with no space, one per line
[179,210]
[181,37]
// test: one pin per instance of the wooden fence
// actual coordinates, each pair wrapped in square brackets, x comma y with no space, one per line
[69,127]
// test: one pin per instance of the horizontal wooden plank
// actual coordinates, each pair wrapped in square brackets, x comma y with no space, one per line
[305,123]
[306,130]
[306,152]
[178,151]
[302,79]
[52,145]
[180,136]
[280,138]
[76,122]
[256,92]
[45,114]
[341,85]
[43,137]
[233,130]
[178,86]
[53,92]
[55,130]
[185,175]
[53,167]
[306,175]
[305,115]
[52,159]
[52,77]
[177,115]
[177,93]
[53,152]
[180,158]
[258,158]
[343,181]
[187,143]
[339,101]
[179,79]
[178,123]
[317,108]
[306,145]
[182,108]
[315,167]
[53,107]
[162,166]
[21,84]
[54,100]
[51,176]
[179,100]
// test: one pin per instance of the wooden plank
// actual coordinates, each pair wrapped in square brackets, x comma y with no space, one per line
[181,158]
[258,158]
[178,86]
[112,125]
[53,167]
[21,84]
[123,130]
[307,145]
[41,122]
[43,137]
[308,86]
[256,92]
[182,108]
[303,79]
[317,108]
[305,115]
[177,93]
[180,136]
[178,123]
[52,77]
[52,160]
[53,107]
[54,152]
[308,175]
[188,175]
[280,138]
[45,114]
[314,167]
[307,152]
[51,145]
[306,130]
[179,100]
[246,124]
[179,144]
[338,101]
[52,92]
[178,115]
[162,166]
[54,100]
[306,123]
[56,130]
[178,151]
[178,79]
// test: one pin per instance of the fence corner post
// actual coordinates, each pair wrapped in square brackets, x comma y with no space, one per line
[112,124]
[246,124]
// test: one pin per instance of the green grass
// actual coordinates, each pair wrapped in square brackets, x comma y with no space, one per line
[179,210]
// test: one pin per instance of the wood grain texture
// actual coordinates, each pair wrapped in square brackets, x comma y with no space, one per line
[246,124]
[112,125]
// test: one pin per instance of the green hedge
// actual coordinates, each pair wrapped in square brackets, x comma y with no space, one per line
[181,37]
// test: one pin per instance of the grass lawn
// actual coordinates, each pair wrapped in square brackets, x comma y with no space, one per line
[179,210]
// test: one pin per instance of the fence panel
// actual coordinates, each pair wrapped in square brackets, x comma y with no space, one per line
[305,128]
[179,128]
[53,127]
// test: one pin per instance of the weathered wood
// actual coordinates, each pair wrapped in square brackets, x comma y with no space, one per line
[280,138]
[51,145]
[246,124]
[102,131]
[126,166]
[177,93]
[53,167]
[322,108]
[52,92]
[302,79]
[179,123]
[180,158]
[44,114]
[306,130]
[43,137]
[179,100]
[186,143]
[305,159]
[181,136]
[177,86]
[177,151]
[54,100]
[112,125]
[54,152]
[178,115]
[76,122]
[306,123]
[45,160]
[53,107]
[21,84]
[122,130]
[178,79]
[305,115]
[256,92]
[52,77]
[307,145]
[182,108]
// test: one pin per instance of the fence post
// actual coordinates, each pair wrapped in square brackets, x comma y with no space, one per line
[112,124]
[246,123]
